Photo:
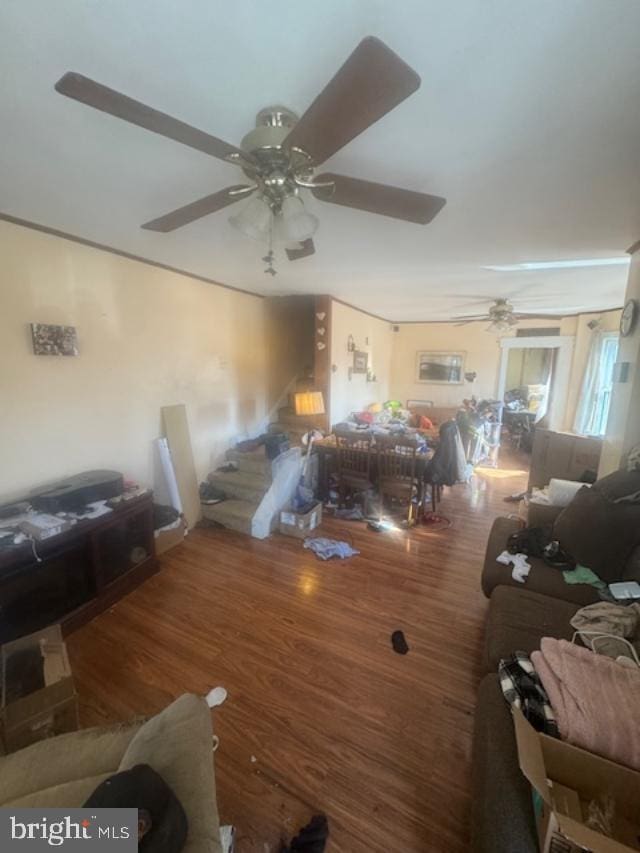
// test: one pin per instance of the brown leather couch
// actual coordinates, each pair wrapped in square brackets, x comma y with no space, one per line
[519,616]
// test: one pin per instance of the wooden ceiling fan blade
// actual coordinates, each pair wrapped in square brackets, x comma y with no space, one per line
[520,316]
[471,318]
[197,209]
[107,100]
[371,82]
[383,199]
[306,248]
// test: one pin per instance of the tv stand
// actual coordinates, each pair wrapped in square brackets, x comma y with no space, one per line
[81,572]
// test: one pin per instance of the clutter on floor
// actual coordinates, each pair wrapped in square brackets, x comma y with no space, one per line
[353,513]
[216,696]
[311,839]
[399,643]
[211,494]
[227,838]
[435,520]
[300,521]
[325,548]
[162,822]
[38,697]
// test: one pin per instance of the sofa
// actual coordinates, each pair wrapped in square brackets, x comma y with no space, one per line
[63,771]
[519,616]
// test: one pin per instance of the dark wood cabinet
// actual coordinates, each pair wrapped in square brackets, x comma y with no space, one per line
[80,573]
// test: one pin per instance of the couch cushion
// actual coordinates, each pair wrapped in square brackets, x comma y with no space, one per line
[518,619]
[66,758]
[619,484]
[502,819]
[598,533]
[542,578]
[68,795]
[177,743]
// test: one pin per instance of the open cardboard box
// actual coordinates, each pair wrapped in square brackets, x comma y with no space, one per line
[565,780]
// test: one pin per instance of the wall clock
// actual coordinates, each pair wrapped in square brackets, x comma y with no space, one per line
[629,316]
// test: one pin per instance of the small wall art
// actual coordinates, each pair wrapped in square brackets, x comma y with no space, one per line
[54,340]
[360,361]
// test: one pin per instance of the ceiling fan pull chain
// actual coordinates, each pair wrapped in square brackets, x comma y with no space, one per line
[268,258]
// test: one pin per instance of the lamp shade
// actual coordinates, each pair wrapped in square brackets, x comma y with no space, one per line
[309,403]
[297,225]
[254,219]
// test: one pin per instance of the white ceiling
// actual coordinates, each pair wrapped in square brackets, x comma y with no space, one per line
[528,121]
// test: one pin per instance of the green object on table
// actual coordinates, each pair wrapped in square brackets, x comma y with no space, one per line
[581,574]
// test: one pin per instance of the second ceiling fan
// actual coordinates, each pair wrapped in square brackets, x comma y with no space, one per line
[280,155]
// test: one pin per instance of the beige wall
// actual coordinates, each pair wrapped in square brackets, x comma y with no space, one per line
[483,353]
[147,338]
[370,335]
[290,329]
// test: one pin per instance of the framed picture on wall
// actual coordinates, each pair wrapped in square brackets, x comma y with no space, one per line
[360,362]
[54,340]
[440,368]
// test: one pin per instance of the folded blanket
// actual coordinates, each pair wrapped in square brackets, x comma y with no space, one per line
[595,699]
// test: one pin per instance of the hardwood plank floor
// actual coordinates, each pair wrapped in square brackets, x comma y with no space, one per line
[322,715]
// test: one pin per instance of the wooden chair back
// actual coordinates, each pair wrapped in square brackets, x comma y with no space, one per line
[354,455]
[396,458]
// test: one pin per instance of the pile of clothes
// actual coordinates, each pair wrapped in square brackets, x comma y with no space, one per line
[589,694]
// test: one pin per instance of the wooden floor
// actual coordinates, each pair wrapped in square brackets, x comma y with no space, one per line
[322,715]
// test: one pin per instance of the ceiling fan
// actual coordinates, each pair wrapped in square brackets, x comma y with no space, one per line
[502,316]
[280,155]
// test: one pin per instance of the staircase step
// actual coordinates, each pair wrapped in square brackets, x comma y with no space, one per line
[253,462]
[234,514]
[241,484]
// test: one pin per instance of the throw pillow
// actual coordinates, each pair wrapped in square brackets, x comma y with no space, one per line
[620,485]
[598,533]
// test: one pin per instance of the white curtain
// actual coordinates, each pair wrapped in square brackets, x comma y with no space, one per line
[593,406]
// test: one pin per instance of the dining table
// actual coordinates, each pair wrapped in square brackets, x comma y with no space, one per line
[327,450]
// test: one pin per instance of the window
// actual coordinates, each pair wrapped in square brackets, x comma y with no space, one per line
[605,385]
[593,410]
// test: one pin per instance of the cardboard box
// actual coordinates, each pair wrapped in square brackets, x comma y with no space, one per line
[564,455]
[27,716]
[300,525]
[167,539]
[565,779]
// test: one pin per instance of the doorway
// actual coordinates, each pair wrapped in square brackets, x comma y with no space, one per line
[540,368]
[529,381]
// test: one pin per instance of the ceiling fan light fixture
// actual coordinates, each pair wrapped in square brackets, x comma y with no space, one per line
[297,224]
[500,327]
[254,219]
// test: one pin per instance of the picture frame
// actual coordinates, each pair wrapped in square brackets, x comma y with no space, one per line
[437,367]
[360,361]
[49,339]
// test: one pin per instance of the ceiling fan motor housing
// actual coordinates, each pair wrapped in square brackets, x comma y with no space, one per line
[274,168]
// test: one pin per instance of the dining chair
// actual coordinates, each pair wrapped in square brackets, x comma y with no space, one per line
[354,463]
[396,464]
